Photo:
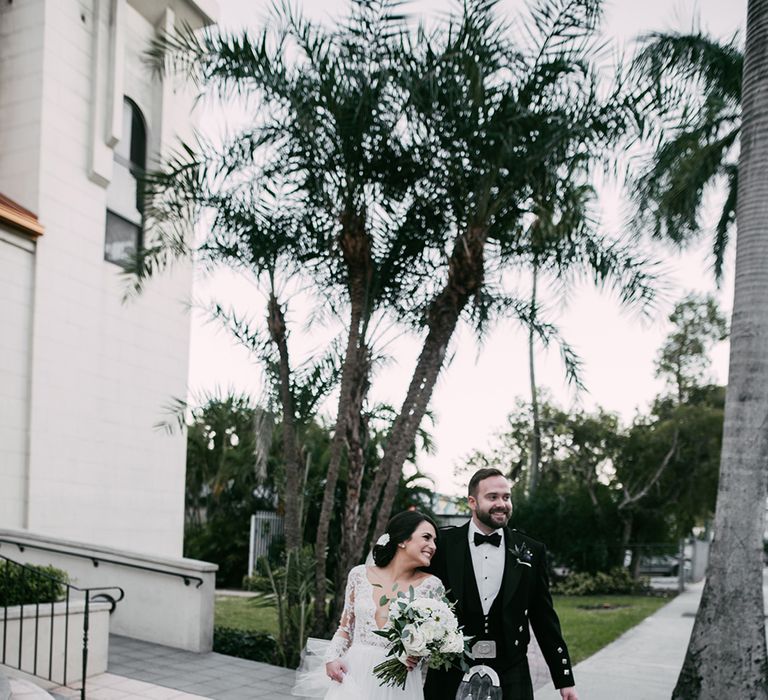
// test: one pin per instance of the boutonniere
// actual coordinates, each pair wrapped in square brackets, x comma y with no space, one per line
[523,555]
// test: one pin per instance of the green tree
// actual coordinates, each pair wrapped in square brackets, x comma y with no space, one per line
[326,139]
[684,358]
[395,171]
[495,113]
[693,84]
[564,245]
[666,470]
[663,456]
[223,469]
[726,655]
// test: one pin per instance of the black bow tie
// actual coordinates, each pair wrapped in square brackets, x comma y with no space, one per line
[494,538]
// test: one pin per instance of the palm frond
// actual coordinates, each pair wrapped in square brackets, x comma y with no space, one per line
[561,30]
[221,63]
[670,62]
[725,223]
[241,329]
[669,193]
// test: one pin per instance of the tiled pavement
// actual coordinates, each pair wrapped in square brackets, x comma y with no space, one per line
[209,675]
[108,686]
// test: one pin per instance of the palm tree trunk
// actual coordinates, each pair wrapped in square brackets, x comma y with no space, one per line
[355,472]
[533,480]
[356,249]
[465,276]
[726,656]
[276,325]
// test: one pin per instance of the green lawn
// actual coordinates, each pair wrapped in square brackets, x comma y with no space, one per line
[585,630]
[245,614]
[588,630]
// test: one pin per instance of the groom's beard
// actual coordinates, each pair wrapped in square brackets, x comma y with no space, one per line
[486,517]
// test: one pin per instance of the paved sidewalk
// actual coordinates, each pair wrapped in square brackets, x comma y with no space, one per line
[642,664]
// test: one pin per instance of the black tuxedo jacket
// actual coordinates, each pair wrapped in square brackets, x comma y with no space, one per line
[526,598]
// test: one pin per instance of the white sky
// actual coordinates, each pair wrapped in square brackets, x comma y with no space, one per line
[479,387]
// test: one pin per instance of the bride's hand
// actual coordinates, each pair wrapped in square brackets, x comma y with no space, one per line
[336,670]
[411,661]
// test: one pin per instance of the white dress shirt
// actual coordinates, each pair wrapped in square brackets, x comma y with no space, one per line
[488,563]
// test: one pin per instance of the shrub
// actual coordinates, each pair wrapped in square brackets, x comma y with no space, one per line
[245,644]
[616,581]
[30,584]
[257,584]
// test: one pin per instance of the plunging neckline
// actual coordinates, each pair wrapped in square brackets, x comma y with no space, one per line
[376,605]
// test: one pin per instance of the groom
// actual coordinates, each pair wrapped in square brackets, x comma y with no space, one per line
[498,579]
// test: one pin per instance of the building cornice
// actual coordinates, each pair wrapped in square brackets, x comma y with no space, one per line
[19,218]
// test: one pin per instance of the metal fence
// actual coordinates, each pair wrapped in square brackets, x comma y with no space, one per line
[266,526]
[29,599]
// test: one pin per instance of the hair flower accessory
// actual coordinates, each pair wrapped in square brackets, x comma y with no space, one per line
[383,540]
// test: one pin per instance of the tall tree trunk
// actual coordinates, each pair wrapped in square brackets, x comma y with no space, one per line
[465,277]
[277,331]
[726,656]
[628,520]
[356,250]
[355,472]
[533,480]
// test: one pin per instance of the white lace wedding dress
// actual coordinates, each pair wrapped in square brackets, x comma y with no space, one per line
[357,645]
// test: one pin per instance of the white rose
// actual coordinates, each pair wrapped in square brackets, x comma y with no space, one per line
[453,643]
[432,630]
[415,642]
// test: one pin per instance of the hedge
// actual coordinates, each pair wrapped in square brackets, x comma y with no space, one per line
[245,644]
[22,586]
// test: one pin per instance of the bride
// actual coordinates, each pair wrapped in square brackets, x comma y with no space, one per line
[399,555]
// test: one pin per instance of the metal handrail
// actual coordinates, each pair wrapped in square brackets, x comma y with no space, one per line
[55,583]
[97,560]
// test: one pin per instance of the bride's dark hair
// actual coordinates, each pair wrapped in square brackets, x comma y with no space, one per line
[399,528]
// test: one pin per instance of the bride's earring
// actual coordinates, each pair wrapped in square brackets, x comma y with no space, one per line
[402,546]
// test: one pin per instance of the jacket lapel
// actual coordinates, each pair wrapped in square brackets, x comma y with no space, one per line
[455,556]
[512,570]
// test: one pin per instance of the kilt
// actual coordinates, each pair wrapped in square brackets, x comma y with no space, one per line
[515,683]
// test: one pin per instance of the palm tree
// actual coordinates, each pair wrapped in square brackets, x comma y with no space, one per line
[726,655]
[692,83]
[496,115]
[564,245]
[327,130]
[400,166]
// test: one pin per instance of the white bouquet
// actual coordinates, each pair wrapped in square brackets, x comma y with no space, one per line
[420,627]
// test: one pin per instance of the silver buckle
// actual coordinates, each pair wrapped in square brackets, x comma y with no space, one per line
[485,649]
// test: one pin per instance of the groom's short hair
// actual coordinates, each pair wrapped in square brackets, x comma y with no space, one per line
[479,476]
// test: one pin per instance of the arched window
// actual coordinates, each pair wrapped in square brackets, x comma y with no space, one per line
[124,201]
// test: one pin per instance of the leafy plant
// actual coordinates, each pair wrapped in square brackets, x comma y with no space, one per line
[30,584]
[292,587]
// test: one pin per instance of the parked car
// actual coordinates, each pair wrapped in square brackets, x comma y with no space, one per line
[662,565]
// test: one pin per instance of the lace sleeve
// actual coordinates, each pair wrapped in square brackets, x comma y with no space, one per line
[433,588]
[343,637]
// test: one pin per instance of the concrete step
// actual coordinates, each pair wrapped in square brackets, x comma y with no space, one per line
[24,690]
[5,688]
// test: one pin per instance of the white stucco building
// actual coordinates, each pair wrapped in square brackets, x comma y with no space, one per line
[84,376]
